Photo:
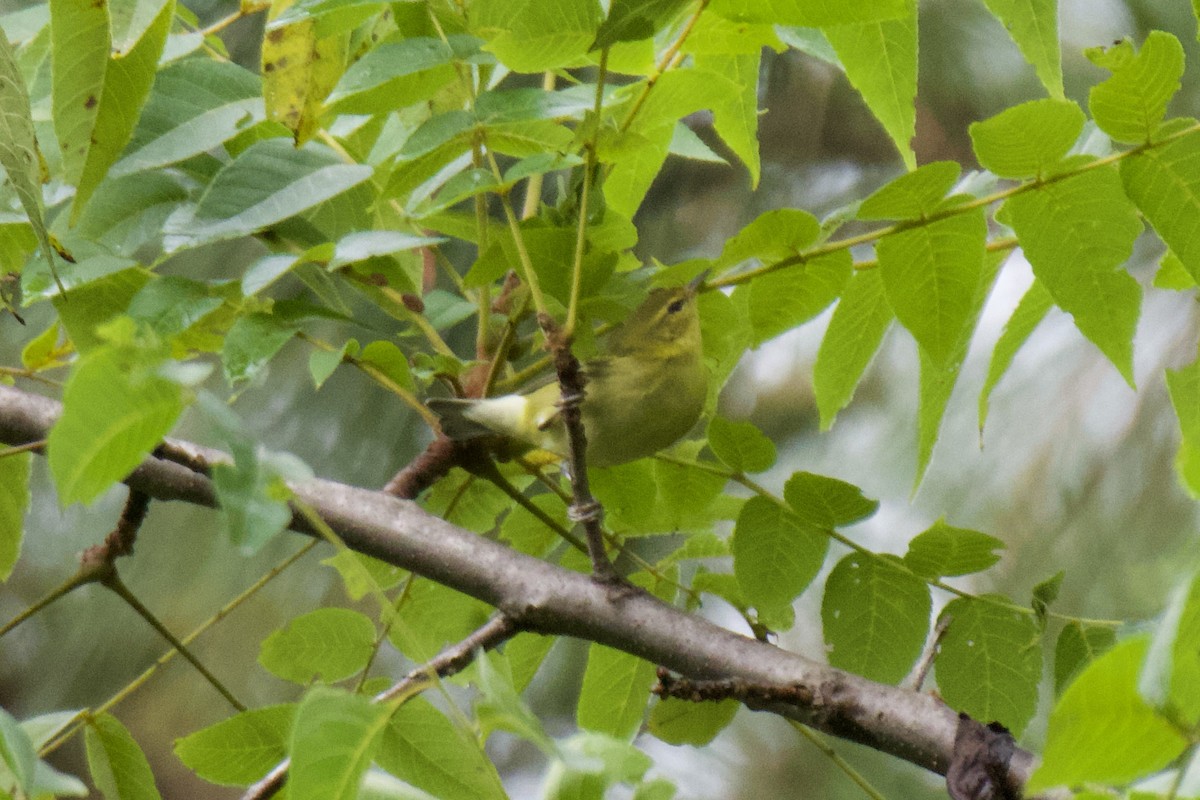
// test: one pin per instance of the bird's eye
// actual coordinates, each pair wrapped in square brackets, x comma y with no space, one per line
[675,307]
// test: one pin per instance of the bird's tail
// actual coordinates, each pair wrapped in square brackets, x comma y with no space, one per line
[453,414]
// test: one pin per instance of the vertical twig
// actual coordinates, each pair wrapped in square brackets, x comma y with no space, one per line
[584,507]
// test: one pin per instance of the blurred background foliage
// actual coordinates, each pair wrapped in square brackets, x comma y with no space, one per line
[1074,470]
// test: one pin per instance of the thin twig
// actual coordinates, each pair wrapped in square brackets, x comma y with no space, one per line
[220,614]
[916,676]
[585,508]
[113,582]
[28,447]
[819,742]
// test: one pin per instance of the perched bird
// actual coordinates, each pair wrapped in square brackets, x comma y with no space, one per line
[644,393]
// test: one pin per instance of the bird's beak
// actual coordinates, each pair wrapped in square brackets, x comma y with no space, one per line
[695,283]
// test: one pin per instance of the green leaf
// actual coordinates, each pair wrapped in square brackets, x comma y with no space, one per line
[99,134]
[1129,105]
[87,307]
[525,653]
[776,554]
[196,105]
[19,155]
[534,37]
[1164,182]
[252,342]
[741,445]
[930,276]
[401,71]
[1171,674]
[499,707]
[14,502]
[1078,645]
[853,337]
[239,750]
[826,502]
[632,20]
[772,236]
[16,749]
[300,67]
[676,721]
[938,381]
[943,551]
[810,12]
[528,533]
[119,767]
[424,748]
[332,16]
[1172,274]
[636,158]
[433,616]
[686,495]
[127,213]
[1044,595]
[362,575]
[1184,387]
[717,36]
[1032,309]
[115,411]
[1076,233]
[913,194]
[1027,139]
[252,491]
[467,501]
[875,617]
[267,183]
[880,59]
[334,737]
[736,118]
[328,644]
[1033,25]
[616,689]
[628,493]
[990,661]
[80,43]
[322,363]
[1102,731]
[782,300]
[170,305]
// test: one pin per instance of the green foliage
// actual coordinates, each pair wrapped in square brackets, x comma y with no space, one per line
[327,644]
[875,616]
[1102,730]
[613,697]
[241,749]
[428,750]
[776,553]
[334,737]
[397,189]
[118,766]
[990,661]
[678,721]
[117,409]
[944,550]
[14,500]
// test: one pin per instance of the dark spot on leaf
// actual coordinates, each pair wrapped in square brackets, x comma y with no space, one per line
[269,66]
[90,102]
[281,63]
[275,36]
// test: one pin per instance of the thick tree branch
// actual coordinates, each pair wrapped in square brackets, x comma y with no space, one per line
[544,598]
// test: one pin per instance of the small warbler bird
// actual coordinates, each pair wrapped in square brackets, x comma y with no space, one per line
[642,395]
